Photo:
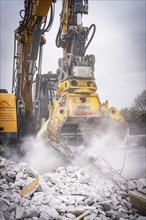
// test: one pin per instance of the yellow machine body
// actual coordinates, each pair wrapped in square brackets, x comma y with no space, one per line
[8,118]
[79,97]
[78,108]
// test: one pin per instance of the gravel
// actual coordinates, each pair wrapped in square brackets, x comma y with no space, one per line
[65,194]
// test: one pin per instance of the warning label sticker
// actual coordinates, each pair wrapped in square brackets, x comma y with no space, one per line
[8,113]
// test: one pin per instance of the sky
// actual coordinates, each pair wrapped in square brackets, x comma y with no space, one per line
[118,45]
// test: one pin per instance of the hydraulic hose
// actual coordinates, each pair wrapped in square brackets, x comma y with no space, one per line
[93,33]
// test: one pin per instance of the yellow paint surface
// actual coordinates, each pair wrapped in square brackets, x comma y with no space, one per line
[8,119]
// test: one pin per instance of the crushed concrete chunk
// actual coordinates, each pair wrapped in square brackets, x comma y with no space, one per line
[11,174]
[12,215]
[141,183]
[106,206]
[44,216]
[2,216]
[141,218]
[3,162]
[64,194]
[131,185]
[33,213]
[20,213]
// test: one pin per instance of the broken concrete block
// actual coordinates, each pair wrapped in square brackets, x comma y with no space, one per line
[37,198]
[141,218]
[89,201]
[51,178]
[98,198]
[6,214]
[11,174]
[141,183]
[12,215]
[3,162]
[15,197]
[111,214]
[12,208]
[78,199]
[6,201]
[62,208]
[70,216]
[20,213]
[53,213]
[33,213]
[2,216]
[131,185]
[122,209]
[128,205]
[4,187]
[32,173]
[115,200]
[90,216]
[44,186]
[107,193]
[44,216]
[123,194]
[19,175]
[106,206]
[85,179]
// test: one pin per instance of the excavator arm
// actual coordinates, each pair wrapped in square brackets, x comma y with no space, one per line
[77,111]
[75,77]
[28,42]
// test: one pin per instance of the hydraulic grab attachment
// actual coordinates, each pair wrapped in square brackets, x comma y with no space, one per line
[51,131]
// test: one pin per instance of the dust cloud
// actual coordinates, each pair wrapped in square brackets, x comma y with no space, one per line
[105,151]
[40,156]
[108,152]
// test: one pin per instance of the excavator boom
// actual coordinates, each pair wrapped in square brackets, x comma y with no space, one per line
[28,42]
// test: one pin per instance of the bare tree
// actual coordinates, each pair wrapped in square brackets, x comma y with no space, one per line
[135,115]
[139,106]
[140,103]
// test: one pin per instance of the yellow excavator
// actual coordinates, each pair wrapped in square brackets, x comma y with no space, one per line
[63,107]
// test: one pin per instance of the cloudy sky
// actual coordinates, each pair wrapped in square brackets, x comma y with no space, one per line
[119,46]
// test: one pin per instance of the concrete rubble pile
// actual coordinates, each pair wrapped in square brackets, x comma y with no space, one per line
[65,194]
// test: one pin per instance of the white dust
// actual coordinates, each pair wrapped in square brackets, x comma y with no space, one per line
[40,156]
[127,161]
